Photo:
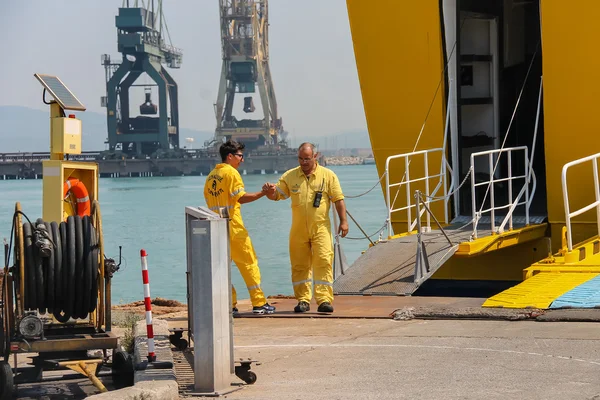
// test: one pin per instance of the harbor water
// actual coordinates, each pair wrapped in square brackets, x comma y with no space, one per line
[149,213]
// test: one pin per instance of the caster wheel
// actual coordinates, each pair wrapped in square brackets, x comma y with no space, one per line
[250,378]
[181,344]
[174,338]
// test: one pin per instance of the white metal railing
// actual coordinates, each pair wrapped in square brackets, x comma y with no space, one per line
[430,196]
[512,203]
[568,215]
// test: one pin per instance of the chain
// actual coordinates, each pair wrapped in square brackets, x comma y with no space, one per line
[469,172]
[367,237]
[362,194]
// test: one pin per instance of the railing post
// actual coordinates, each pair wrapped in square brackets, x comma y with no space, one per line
[409,215]
[566,203]
[597,189]
[526,188]
[427,190]
[419,256]
[418,209]
[445,180]
[387,196]
[510,187]
[492,211]
[473,197]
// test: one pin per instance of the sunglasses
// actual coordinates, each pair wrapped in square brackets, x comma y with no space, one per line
[241,156]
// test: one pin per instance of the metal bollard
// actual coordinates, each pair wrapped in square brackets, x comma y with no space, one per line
[209,301]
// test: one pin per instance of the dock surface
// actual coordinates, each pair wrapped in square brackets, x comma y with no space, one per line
[361,352]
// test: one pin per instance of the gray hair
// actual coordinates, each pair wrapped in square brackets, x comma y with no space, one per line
[308,144]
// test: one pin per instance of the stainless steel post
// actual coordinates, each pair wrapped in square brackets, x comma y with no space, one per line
[209,300]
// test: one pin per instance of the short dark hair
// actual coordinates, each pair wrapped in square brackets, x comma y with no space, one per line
[230,147]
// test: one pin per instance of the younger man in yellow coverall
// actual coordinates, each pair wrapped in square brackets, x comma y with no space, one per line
[224,188]
[311,188]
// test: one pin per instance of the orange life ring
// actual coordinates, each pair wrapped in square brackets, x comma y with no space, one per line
[77,187]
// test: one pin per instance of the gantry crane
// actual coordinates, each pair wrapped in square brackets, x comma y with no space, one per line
[143,35]
[245,53]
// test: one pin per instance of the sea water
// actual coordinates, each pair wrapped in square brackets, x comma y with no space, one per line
[149,213]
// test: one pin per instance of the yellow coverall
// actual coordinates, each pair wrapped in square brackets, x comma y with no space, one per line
[311,243]
[223,188]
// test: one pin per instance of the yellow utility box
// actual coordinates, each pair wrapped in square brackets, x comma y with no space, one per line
[65,135]
[70,187]
[56,206]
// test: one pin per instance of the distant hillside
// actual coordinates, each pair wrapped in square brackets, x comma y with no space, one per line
[27,129]
[343,140]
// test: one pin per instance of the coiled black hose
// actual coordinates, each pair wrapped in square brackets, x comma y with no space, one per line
[61,267]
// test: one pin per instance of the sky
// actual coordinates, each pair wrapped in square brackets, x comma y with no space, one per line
[311,58]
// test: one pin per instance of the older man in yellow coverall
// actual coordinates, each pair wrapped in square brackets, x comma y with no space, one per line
[311,188]
[224,188]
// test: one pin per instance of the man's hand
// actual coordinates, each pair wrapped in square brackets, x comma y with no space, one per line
[343,230]
[269,190]
[340,207]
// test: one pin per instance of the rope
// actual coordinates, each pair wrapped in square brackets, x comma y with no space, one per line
[438,86]
[508,129]
[414,149]
[362,194]
[431,104]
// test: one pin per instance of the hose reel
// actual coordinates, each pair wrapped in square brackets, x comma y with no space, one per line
[61,267]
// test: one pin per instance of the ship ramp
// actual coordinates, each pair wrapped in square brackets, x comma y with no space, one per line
[569,279]
[396,267]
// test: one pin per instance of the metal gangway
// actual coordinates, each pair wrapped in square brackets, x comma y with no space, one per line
[399,264]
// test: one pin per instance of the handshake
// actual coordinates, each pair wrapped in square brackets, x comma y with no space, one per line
[269,190]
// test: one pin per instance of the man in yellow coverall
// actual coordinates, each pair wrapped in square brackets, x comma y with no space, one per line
[311,188]
[224,188]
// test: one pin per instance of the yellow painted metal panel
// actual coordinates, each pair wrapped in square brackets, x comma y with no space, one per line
[571,118]
[56,172]
[399,58]
[499,241]
[559,269]
[538,291]
[505,264]
[65,135]
[585,257]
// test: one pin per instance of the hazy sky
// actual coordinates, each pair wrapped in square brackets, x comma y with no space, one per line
[311,58]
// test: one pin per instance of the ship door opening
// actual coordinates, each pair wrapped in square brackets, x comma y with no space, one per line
[496,42]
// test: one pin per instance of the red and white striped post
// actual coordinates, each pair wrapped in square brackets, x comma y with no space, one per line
[148,305]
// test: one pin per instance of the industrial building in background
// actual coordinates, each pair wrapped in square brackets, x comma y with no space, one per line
[245,52]
[148,144]
[144,42]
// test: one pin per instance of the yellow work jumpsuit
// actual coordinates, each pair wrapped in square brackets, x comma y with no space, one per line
[311,243]
[223,188]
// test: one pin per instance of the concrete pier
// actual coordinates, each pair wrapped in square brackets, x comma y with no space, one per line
[30,168]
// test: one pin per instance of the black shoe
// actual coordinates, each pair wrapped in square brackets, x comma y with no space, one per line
[302,307]
[325,307]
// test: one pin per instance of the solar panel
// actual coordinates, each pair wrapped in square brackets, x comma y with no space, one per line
[63,96]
